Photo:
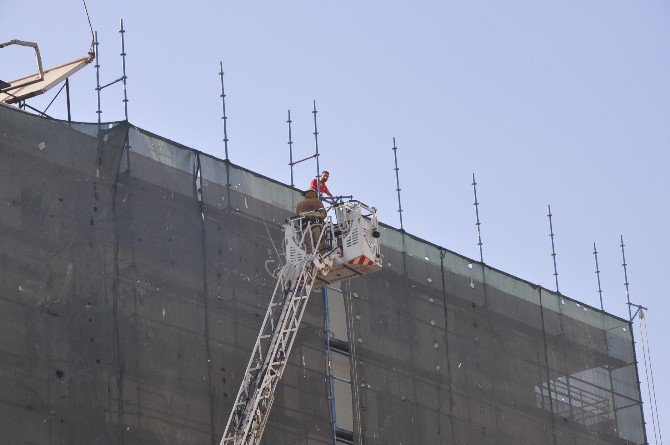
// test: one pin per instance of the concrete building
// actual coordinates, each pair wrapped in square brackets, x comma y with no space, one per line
[135,273]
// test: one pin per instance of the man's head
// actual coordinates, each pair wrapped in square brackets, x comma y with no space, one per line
[309,193]
[324,176]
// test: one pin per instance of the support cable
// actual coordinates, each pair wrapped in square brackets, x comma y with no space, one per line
[649,372]
[631,316]
[93,36]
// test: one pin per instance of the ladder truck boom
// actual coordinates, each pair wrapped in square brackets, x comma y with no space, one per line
[317,253]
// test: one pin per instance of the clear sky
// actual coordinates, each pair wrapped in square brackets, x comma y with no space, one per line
[563,103]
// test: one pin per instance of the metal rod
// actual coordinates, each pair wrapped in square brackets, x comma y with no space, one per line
[22,105]
[626,284]
[553,248]
[303,160]
[111,83]
[478,224]
[123,57]
[224,117]
[329,366]
[316,147]
[97,74]
[600,290]
[607,348]
[67,96]
[290,146]
[397,182]
[54,99]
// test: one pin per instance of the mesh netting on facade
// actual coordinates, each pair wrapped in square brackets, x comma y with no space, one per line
[135,273]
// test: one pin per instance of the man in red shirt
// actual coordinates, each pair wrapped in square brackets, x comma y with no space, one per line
[322,186]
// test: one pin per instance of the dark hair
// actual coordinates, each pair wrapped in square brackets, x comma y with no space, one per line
[325,171]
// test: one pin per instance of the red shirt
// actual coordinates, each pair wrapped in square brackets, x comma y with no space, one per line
[324,189]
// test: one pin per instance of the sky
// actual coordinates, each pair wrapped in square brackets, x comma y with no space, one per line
[563,103]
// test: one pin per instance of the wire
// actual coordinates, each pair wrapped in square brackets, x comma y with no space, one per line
[646,372]
[88,17]
[651,388]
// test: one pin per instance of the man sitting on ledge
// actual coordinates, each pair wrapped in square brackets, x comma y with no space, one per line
[313,210]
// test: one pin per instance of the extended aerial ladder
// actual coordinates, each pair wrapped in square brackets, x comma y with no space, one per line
[317,253]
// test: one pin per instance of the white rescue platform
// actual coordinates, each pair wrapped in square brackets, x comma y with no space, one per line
[350,246]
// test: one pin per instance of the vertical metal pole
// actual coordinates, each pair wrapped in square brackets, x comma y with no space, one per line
[632,334]
[67,96]
[290,146]
[625,274]
[600,290]
[553,248]
[123,57]
[639,383]
[97,75]
[602,308]
[316,147]
[199,194]
[329,358]
[331,388]
[225,133]
[478,224]
[224,117]
[397,183]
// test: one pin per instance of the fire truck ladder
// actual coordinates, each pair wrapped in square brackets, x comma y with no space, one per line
[315,251]
[272,348]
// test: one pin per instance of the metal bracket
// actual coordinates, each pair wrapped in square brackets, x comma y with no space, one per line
[640,309]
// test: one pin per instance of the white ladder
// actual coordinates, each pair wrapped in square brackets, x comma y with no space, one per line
[272,348]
